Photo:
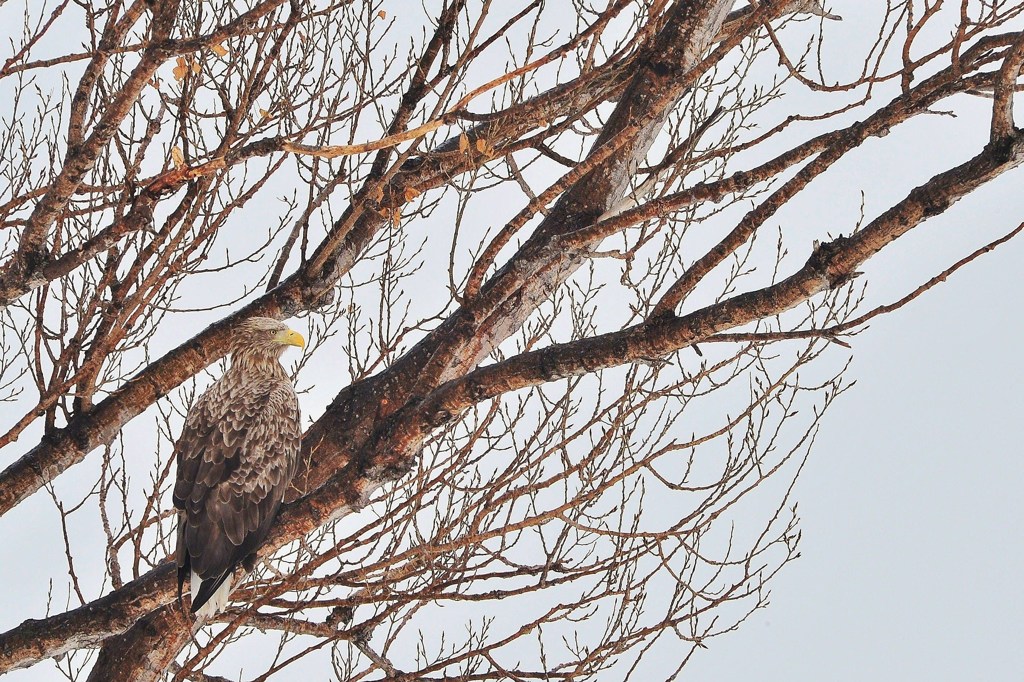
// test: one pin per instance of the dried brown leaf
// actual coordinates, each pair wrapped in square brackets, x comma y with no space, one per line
[181,69]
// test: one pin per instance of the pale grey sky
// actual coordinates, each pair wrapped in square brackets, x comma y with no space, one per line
[911,513]
[911,508]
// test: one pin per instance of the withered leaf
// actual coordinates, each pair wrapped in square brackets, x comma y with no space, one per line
[181,69]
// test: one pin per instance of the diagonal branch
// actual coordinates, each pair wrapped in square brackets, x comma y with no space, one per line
[82,156]
[831,265]
[299,292]
[1005,86]
[29,267]
[833,332]
[387,452]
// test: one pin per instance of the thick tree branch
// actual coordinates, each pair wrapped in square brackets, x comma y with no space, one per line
[833,332]
[387,452]
[375,429]
[299,292]
[830,265]
[87,626]
[1005,87]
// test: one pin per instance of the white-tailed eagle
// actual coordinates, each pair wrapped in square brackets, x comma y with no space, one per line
[236,457]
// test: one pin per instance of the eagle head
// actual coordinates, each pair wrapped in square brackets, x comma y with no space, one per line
[264,336]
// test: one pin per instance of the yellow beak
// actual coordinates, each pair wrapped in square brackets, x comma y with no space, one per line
[290,337]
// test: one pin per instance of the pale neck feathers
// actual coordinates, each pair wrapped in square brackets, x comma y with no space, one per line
[257,361]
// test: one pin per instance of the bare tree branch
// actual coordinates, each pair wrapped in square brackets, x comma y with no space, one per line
[501,223]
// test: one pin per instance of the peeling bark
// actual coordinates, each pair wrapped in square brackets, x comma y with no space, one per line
[374,428]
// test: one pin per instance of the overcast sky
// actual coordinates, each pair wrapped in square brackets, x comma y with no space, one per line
[910,503]
[911,509]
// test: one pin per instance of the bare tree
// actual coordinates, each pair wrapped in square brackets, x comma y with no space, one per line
[560,362]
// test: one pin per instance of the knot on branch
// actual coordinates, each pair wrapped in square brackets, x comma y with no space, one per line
[395,468]
[323,300]
[35,260]
[823,261]
[412,164]
[477,390]
[1002,149]
[317,291]
[141,217]
[932,201]
[439,417]
[340,616]
[361,635]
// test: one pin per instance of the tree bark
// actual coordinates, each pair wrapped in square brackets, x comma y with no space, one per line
[373,429]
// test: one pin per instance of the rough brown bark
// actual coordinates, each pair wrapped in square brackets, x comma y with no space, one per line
[665,73]
[147,650]
[830,265]
[376,427]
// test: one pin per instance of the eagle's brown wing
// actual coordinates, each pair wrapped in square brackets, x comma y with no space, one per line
[236,456]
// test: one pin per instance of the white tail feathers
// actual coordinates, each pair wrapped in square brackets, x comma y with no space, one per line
[217,603]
